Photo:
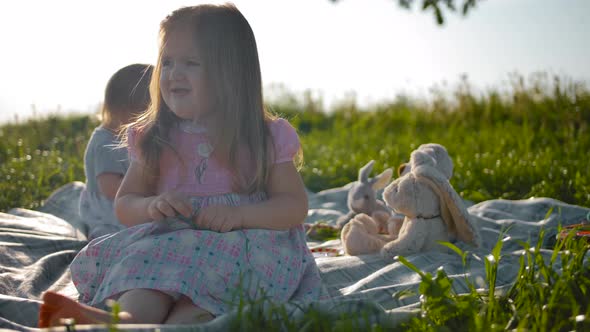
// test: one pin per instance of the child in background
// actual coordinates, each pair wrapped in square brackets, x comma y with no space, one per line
[213,199]
[105,162]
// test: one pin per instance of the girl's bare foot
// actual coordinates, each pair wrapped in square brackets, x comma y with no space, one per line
[56,306]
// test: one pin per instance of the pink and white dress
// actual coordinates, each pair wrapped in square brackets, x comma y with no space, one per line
[215,270]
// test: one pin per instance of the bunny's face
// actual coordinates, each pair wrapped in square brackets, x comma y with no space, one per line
[411,197]
[399,195]
[362,198]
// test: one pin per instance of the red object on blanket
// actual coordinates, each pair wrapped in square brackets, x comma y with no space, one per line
[582,230]
[326,252]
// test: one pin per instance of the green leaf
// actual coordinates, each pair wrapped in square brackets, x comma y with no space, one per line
[411,266]
[456,249]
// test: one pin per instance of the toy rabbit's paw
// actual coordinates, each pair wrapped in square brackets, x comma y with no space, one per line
[392,249]
[401,246]
[343,220]
[356,239]
[387,253]
[394,224]
[369,224]
[381,218]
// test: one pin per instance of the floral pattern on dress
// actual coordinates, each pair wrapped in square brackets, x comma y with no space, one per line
[215,270]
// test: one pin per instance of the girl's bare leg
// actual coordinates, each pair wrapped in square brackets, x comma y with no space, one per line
[186,312]
[137,306]
[56,306]
[146,306]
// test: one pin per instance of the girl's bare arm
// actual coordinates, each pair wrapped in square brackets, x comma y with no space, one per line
[134,197]
[137,203]
[286,205]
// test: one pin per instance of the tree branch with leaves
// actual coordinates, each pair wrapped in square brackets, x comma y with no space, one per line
[439,6]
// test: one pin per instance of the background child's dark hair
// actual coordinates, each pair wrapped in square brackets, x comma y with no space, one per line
[127,91]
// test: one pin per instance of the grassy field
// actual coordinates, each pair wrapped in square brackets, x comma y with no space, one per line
[530,139]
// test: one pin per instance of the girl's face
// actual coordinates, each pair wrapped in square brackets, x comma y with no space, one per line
[182,77]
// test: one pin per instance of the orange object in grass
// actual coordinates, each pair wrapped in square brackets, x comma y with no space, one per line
[582,230]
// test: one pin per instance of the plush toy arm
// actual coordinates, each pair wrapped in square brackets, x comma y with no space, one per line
[345,219]
[360,236]
[411,239]
[394,225]
[381,219]
[369,224]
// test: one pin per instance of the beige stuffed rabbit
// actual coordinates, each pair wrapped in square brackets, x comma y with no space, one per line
[433,212]
[443,163]
[441,157]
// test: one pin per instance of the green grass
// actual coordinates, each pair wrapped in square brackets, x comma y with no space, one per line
[542,298]
[522,143]
[38,156]
[530,139]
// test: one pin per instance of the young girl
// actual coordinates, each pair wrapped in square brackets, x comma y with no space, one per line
[105,164]
[214,202]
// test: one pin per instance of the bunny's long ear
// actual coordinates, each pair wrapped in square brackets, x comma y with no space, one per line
[453,210]
[365,171]
[382,180]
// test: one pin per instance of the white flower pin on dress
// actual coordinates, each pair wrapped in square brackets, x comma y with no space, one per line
[204,150]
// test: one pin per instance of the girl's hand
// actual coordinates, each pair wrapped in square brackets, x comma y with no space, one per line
[169,204]
[219,218]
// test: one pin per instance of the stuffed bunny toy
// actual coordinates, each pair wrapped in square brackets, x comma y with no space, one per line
[362,196]
[443,163]
[433,212]
[437,152]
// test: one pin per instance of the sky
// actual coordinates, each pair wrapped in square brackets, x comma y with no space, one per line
[57,55]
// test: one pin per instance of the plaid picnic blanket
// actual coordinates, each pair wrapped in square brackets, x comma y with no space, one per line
[36,250]
[37,247]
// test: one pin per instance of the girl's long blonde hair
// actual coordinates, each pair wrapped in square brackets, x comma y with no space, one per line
[232,70]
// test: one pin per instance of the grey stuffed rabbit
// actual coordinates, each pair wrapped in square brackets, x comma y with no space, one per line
[362,196]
